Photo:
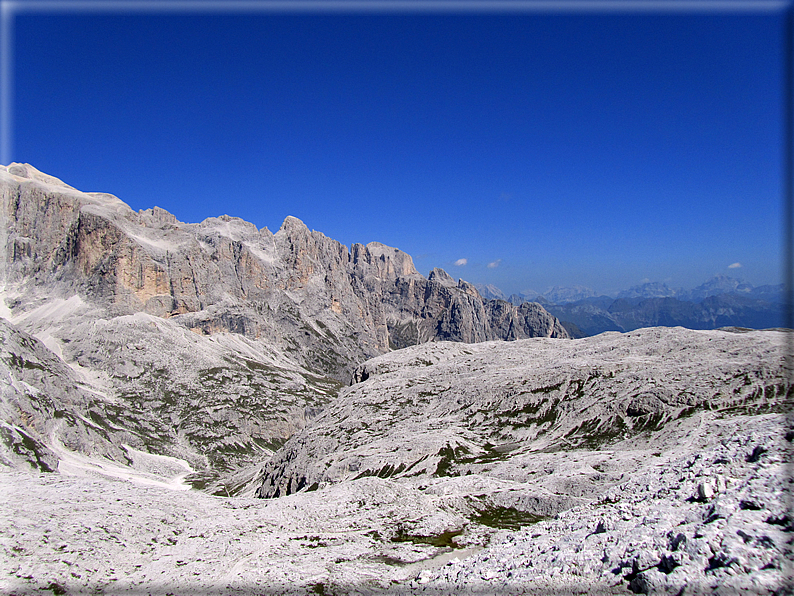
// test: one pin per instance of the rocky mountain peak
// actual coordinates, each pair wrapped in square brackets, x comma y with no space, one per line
[382,261]
[563,295]
[720,284]
[233,228]
[468,288]
[440,276]
[157,216]
[652,289]
[490,292]
[25,170]
[224,275]
[292,225]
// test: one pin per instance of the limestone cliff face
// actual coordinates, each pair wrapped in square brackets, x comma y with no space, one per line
[41,398]
[329,306]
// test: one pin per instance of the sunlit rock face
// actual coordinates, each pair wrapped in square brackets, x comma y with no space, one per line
[331,306]
[213,342]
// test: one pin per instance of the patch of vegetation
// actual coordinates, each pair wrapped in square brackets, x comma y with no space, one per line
[391,561]
[254,365]
[274,444]
[438,540]
[309,331]
[26,447]
[56,588]
[540,413]
[594,433]
[755,409]
[449,456]
[505,518]
[548,389]
[201,480]
[385,472]
[20,363]
[492,453]
[576,387]
[413,465]
[424,394]
[310,541]
[649,422]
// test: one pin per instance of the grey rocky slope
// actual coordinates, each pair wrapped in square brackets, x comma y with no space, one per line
[137,381]
[42,398]
[455,410]
[307,294]
[712,520]
[512,490]
[211,342]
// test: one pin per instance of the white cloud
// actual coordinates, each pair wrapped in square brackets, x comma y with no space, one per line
[734,266]
[494,264]
[461,262]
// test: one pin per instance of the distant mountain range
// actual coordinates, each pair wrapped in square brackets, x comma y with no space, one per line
[722,301]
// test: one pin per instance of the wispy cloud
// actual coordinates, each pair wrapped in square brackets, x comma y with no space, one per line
[461,262]
[494,264]
[734,265]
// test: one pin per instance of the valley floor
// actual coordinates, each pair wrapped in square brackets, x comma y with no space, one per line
[708,516]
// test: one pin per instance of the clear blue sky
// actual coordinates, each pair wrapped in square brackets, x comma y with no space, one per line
[600,149]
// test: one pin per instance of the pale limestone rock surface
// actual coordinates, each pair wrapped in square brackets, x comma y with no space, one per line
[329,306]
[141,356]
[627,514]
[213,342]
[498,408]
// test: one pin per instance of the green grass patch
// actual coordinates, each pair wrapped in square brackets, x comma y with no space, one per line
[449,456]
[594,433]
[444,539]
[505,518]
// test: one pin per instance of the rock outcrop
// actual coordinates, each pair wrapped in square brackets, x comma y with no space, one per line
[211,342]
[449,409]
[40,397]
[329,306]
[709,521]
